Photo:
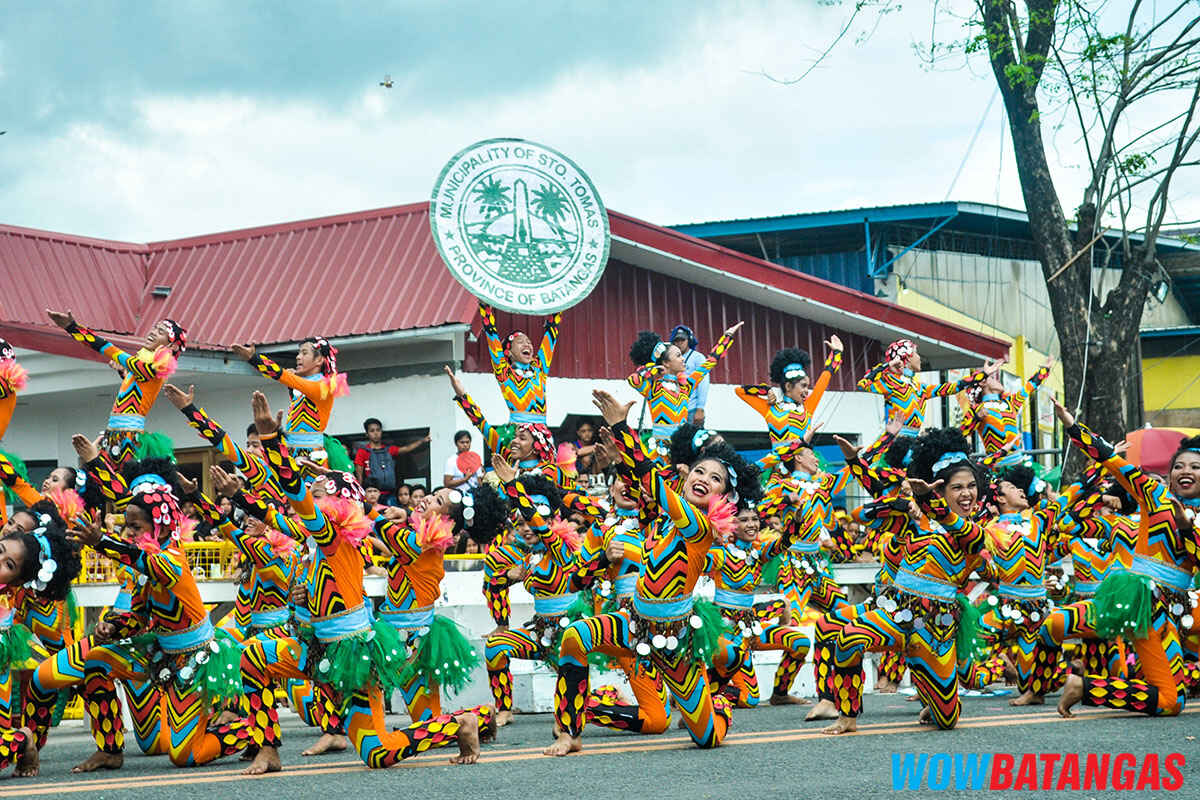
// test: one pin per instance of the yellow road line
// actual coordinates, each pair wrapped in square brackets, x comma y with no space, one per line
[178,777]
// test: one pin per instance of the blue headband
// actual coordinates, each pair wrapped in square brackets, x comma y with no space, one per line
[149,477]
[700,437]
[659,349]
[47,565]
[794,371]
[907,458]
[1036,485]
[947,460]
[542,502]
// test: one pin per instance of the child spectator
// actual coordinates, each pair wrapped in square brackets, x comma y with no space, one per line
[404,496]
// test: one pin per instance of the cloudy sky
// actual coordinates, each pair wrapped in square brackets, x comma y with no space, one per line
[155,120]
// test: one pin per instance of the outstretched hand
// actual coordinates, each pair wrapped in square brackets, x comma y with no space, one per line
[243,351]
[612,411]
[811,431]
[455,383]
[86,449]
[63,319]
[179,398]
[849,449]
[1060,411]
[224,483]
[188,485]
[504,470]
[731,330]
[920,487]
[264,421]
[89,533]
[834,343]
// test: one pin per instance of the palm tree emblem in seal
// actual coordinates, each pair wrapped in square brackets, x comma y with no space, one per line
[520,225]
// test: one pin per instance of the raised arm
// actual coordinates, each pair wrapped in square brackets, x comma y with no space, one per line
[141,369]
[545,352]
[474,413]
[833,362]
[873,381]
[929,390]
[714,358]
[290,480]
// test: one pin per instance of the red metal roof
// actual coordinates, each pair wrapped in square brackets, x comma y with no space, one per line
[377,271]
[595,335]
[348,275]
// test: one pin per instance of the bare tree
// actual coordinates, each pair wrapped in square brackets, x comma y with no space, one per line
[1128,96]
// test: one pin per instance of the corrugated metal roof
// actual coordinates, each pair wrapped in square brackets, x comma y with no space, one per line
[40,270]
[378,271]
[349,275]
[596,334]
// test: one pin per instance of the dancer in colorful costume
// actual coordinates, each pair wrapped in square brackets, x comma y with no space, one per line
[995,415]
[1149,604]
[174,650]
[439,655]
[661,379]
[313,385]
[531,446]
[13,378]
[551,546]
[339,645]
[919,612]
[144,373]
[44,561]
[788,406]
[904,395]
[1020,541]
[736,567]
[610,559]
[662,622]
[521,373]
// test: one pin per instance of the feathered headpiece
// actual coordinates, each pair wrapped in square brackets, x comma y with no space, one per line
[154,495]
[178,335]
[337,384]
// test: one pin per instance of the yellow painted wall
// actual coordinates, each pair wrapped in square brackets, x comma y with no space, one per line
[1033,359]
[1165,381]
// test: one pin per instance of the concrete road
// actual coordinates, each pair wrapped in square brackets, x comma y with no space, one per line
[769,753]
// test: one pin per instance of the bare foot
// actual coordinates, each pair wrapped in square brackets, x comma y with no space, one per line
[227,717]
[29,764]
[843,725]
[503,718]
[1010,669]
[884,686]
[468,739]
[329,742]
[1027,699]
[926,717]
[100,760]
[563,744]
[249,754]
[1072,693]
[912,698]
[789,700]
[824,709]
[266,761]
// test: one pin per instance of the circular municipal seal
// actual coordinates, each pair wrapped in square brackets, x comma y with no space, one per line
[520,225]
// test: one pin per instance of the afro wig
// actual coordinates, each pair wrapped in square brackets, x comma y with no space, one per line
[930,448]
[63,551]
[641,352]
[785,358]
[490,514]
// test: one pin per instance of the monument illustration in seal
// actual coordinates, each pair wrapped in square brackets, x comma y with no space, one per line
[520,225]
